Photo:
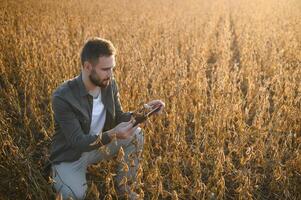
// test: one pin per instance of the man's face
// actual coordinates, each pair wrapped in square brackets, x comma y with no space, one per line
[102,72]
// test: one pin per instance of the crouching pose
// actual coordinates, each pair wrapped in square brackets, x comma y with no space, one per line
[88,117]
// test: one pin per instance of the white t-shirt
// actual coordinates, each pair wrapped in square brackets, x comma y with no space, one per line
[98,115]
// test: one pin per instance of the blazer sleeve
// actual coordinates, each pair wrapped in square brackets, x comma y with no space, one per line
[70,126]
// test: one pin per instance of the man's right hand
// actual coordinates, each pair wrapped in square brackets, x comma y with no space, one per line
[124,130]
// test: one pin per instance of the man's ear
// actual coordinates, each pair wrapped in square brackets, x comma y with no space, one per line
[87,66]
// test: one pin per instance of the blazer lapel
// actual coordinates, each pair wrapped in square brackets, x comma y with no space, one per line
[79,103]
[86,105]
[80,97]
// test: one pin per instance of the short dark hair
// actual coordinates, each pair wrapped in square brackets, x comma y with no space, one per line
[96,47]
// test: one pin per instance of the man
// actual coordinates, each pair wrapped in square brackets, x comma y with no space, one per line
[88,116]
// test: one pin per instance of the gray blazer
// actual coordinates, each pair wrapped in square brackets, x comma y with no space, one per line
[72,108]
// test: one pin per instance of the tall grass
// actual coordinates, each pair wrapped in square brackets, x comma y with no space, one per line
[229,73]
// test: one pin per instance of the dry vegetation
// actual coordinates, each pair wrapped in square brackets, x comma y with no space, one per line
[228,70]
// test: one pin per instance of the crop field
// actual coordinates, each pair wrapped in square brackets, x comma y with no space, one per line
[229,72]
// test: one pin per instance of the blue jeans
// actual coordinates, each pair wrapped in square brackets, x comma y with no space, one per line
[70,177]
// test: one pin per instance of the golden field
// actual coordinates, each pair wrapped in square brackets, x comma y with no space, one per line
[229,72]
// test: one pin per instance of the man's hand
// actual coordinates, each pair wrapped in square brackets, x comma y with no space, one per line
[156,103]
[124,130]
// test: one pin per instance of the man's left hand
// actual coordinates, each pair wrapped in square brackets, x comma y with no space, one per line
[156,103]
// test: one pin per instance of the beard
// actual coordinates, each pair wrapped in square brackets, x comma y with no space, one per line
[94,78]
